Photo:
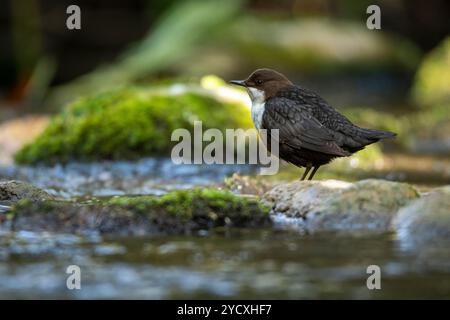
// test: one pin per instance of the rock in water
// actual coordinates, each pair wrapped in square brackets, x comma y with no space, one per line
[13,191]
[337,205]
[177,212]
[426,220]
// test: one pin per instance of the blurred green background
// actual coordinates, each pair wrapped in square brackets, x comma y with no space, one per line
[129,54]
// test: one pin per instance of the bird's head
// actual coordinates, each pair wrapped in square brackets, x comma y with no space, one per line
[263,84]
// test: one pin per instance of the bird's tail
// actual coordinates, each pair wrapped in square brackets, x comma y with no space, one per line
[377,134]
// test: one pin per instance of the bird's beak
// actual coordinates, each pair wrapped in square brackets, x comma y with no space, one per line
[238,82]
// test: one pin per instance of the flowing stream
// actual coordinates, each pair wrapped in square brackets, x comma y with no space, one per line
[266,263]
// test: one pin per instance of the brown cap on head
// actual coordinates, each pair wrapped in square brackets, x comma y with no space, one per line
[267,80]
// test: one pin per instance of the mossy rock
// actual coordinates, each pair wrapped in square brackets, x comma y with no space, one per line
[128,123]
[13,191]
[178,212]
[432,80]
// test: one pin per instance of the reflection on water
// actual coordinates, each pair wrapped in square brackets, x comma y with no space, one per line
[224,264]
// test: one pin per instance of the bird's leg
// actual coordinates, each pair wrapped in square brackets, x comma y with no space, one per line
[308,167]
[313,172]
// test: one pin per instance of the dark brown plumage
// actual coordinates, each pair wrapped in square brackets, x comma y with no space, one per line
[311,132]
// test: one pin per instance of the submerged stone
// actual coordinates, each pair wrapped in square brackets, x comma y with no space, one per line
[337,205]
[178,212]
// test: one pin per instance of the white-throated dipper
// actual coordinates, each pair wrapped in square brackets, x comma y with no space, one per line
[311,132]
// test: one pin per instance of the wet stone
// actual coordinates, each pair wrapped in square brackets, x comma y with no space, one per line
[426,220]
[13,191]
[178,212]
[337,205]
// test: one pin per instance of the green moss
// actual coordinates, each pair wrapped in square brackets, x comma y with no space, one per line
[432,81]
[180,211]
[188,203]
[128,123]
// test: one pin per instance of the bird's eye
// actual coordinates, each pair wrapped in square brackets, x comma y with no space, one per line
[258,81]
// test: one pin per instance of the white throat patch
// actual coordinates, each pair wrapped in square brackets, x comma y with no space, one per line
[258,101]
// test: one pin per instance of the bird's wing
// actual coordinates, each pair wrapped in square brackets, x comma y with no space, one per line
[347,135]
[298,128]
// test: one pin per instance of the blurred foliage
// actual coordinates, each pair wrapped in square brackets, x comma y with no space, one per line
[129,123]
[203,37]
[431,93]
[411,126]
[429,131]
[432,82]
[320,45]
[365,159]
[300,46]
[185,25]
[27,38]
